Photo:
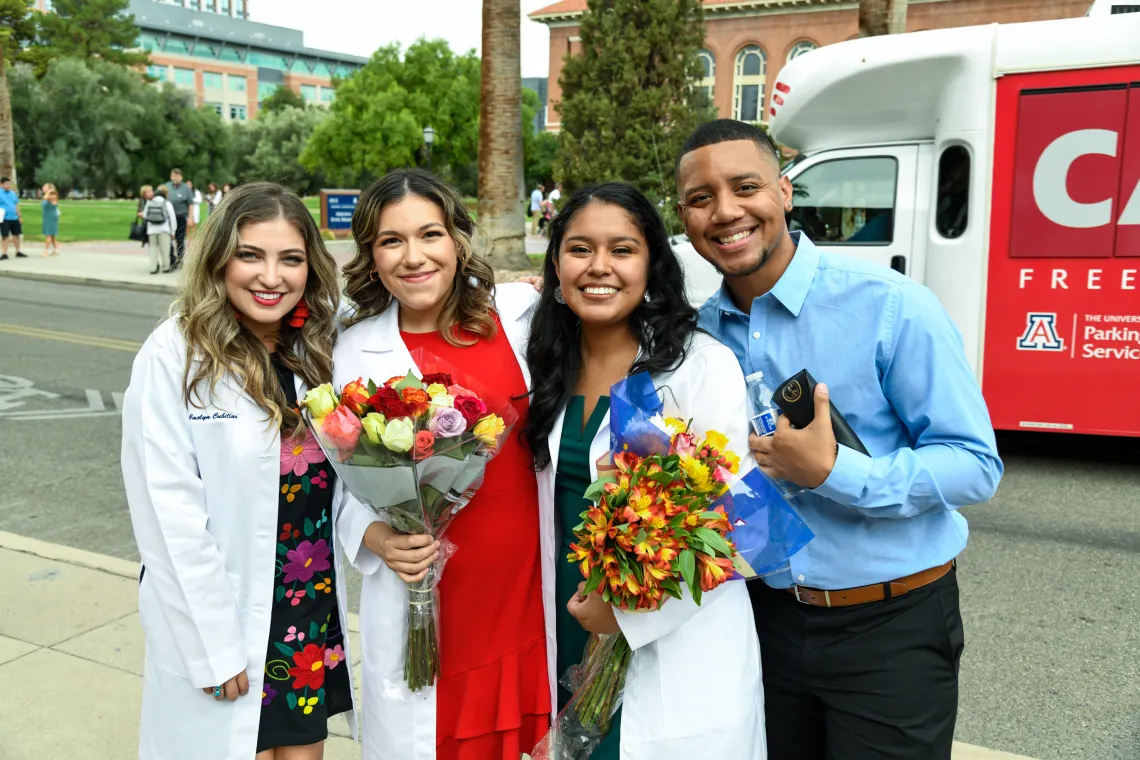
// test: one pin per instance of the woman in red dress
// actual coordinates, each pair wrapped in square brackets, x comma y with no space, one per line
[417,284]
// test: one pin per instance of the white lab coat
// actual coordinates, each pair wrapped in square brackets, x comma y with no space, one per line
[682,653]
[398,725]
[202,487]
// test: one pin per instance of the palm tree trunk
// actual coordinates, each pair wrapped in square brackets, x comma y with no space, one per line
[7,134]
[881,17]
[500,135]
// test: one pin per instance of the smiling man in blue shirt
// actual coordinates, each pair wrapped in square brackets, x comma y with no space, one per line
[861,638]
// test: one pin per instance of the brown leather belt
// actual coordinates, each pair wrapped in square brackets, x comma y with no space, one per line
[876,592]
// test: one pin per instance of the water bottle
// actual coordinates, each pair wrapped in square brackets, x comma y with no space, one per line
[764,412]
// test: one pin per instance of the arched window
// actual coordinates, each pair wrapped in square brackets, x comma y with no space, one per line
[801,47]
[748,84]
[707,83]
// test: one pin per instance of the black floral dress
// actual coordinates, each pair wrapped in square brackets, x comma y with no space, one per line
[306,676]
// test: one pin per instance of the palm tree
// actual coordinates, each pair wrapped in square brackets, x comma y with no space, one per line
[16,28]
[881,17]
[500,136]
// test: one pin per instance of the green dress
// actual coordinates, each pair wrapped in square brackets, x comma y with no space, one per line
[573,478]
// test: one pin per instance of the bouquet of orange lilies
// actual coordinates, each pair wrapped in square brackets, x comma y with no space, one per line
[666,510]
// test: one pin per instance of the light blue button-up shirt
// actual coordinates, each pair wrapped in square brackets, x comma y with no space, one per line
[8,202]
[894,365]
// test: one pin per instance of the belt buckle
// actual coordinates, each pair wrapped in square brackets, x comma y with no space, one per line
[826,596]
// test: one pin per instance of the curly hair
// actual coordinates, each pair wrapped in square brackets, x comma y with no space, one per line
[662,325]
[471,300]
[216,342]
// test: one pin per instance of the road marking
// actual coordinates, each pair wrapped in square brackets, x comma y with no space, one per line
[14,389]
[65,337]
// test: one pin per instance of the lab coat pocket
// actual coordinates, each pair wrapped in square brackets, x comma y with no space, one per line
[161,647]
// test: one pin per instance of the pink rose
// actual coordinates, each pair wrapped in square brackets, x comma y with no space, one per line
[342,429]
[455,391]
[685,444]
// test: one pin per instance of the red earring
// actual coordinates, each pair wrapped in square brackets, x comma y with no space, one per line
[300,314]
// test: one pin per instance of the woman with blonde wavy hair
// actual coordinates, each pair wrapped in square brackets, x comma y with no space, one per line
[233,504]
[417,283]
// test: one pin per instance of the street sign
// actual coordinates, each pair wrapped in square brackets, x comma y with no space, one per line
[337,207]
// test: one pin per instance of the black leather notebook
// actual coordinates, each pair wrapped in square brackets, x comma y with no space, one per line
[796,399]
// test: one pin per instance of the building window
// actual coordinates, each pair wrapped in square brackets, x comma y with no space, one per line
[265,89]
[300,67]
[237,84]
[801,47]
[343,72]
[237,113]
[267,61]
[748,84]
[707,82]
[224,7]
[847,201]
[239,8]
[216,106]
[211,80]
[321,70]
[202,50]
[157,72]
[229,54]
[176,47]
[309,93]
[184,78]
[327,94]
[149,42]
[953,203]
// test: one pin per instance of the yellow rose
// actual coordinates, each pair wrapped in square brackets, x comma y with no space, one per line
[436,389]
[488,429]
[320,400]
[399,435]
[374,426]
[443,399]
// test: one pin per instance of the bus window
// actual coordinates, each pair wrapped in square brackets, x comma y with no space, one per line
[953,203]
[846,201]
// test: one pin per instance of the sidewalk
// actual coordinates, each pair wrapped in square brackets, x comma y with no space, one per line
[71,653]
[126,265]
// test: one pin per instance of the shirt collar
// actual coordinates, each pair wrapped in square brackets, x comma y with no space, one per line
[792,288]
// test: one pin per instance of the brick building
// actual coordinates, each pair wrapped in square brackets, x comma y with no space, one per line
[747,42]
[211,47]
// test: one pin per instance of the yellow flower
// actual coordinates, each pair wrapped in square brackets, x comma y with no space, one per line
[436,389]
[488,429]
[696,473]
[320,400]
[325,585]
[399,435]
[443,399]
[374,425]
[717,440]
[308,703]
[733,461]
[675,425]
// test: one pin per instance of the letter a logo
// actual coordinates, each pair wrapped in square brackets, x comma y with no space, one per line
[1040,333]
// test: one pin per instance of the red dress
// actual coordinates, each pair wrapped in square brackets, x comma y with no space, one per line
[493,695]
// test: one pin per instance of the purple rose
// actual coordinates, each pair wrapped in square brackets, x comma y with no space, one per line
[447,422]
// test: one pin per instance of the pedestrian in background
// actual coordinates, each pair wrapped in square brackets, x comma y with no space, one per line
[226,188]
[213,198]
[535,208]
[161,223]
[181,196]
[10,220]
[51,213]
[195,206]
[247,648]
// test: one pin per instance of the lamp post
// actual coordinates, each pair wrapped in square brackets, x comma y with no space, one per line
[429,138]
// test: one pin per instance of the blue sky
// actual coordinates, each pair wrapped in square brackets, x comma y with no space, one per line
[360,26]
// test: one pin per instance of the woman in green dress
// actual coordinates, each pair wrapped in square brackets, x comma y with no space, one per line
[613,304]
[51,220]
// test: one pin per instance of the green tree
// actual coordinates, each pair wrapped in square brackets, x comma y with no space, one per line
[376,121]
[283,97]
[630,98]
[269,147]
[16,29]
[89,30]
[540,149]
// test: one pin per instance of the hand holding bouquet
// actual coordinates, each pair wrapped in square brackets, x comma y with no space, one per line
[662,521]
[414,449]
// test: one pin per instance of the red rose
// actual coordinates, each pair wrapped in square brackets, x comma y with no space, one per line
[424,443]
[437,377]
[473,409]
[388,402]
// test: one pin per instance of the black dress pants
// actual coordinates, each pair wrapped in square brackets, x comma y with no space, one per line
[178,244]
[875,681]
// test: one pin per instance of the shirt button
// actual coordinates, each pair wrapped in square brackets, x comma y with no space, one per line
[756,335]
[800,577]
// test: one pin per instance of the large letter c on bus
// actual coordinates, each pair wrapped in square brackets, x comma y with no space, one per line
[1051,175]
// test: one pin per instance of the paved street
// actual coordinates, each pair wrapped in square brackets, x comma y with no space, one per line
[1051,581]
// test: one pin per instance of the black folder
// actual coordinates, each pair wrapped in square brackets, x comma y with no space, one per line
[796,399]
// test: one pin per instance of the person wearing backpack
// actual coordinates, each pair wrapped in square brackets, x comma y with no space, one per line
[158,213]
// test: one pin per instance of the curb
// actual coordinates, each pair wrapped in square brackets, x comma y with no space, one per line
[90,281]
[92,561]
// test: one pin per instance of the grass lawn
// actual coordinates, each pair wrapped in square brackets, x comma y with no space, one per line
[111,220]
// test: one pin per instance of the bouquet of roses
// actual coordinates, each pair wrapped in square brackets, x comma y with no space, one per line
[668,514]
[414,450]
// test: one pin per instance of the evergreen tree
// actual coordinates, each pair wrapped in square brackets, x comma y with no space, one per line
[629,98]
[88,30]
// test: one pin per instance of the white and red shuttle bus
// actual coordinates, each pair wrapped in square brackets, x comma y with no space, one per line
[1000,166]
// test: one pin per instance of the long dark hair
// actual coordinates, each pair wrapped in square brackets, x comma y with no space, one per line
[662,325]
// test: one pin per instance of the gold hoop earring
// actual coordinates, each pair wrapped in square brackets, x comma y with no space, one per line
[373,276]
